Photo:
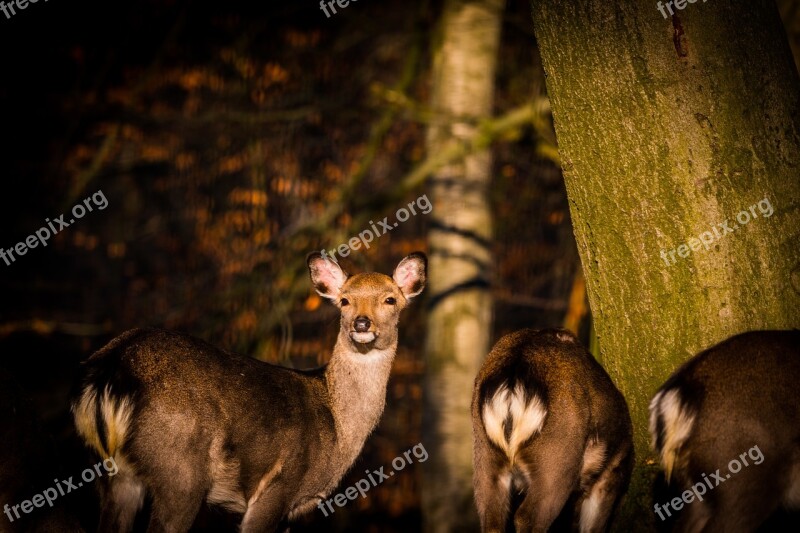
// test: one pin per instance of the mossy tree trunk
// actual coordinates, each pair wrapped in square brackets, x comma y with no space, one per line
[670,129]
[459,318]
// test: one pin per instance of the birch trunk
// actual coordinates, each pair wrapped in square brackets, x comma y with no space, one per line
[459,321]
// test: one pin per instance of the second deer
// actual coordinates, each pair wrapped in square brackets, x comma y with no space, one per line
[552,436]
[187,422]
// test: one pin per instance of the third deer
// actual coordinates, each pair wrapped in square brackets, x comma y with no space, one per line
[726,427]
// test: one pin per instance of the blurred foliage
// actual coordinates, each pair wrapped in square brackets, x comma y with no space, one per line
[223,138]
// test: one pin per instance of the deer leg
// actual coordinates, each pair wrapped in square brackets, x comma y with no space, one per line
[553,471]
[266,513]
[175,508]
[743,504]
[492,488]
[603,495]
[122,497]
[177,487]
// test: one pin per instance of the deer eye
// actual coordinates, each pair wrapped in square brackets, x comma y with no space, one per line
[344,302]
[390,301]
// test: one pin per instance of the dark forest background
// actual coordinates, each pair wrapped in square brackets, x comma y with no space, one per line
[231,139]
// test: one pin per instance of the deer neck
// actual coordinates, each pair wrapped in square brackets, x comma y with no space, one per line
[357,388]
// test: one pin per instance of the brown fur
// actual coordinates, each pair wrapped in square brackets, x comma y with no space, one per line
[259,439]
[736,395]
[581,448]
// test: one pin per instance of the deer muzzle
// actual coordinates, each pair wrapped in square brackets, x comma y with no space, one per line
[361,330]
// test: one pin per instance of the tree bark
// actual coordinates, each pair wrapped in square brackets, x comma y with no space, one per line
[667,128]
[459,320]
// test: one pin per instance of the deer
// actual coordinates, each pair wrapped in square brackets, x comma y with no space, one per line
[726,429]
[189,423]
[552,436]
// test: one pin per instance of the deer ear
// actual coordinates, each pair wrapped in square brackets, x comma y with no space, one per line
[411,273]
[326,275]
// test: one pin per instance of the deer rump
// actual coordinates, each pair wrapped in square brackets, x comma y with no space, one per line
[552,435]
[737,395]
[171,415]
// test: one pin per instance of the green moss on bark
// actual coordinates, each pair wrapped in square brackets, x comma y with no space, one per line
[667,128]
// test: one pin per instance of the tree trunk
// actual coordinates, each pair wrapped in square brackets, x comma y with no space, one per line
[670,128]
[459,321]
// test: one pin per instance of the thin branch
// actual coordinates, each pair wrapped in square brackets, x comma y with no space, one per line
[488,132]
[90,173]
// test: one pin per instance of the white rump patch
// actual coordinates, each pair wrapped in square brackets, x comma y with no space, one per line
[653,421]
[525,418]
[677,422]
[495,412]
[116,417]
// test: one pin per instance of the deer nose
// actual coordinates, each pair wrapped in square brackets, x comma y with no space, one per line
[361,324]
